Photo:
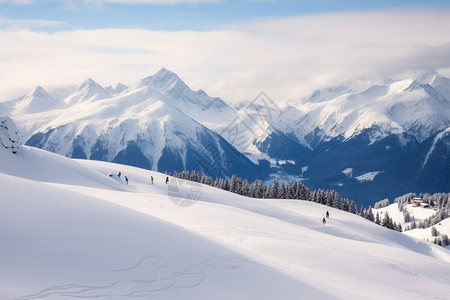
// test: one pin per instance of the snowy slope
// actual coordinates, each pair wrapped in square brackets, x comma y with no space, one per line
[417,214]
[71,231]
[442,227]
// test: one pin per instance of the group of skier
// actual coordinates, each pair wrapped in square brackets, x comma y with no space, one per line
[126,178]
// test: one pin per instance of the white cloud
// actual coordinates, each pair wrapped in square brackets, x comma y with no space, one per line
[15,24]
[285,57]
[16,2]
[161,2]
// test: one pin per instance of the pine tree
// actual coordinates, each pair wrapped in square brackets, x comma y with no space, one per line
[353,208]
[290,188]
[321,198]
[387,221]
[273,191]
[336,201]
[303,193]
[233,184]
[369,214]
[245,188]
[345,204]
[259,189]
[226,185]
[282,192]
[434,231]
[331,198]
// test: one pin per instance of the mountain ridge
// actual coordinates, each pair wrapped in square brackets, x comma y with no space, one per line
[159,123]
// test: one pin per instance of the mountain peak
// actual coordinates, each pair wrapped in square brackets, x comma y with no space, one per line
[35,101]
[165,81]
[89,83]
[120,87]
[165,75]
[40,92]
[163,71]
[89,89]
[427,77]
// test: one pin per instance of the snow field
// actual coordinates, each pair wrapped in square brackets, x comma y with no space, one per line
[68,230]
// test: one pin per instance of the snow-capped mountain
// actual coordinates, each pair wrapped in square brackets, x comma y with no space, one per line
[211,112]
[392,134]
[396,131]
[88,91]
[38,100]
[411,109]
[147,125]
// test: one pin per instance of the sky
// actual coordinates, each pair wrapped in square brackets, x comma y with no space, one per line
[231,49]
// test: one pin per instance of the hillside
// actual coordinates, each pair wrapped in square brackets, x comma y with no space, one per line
[415,216]
[69,230]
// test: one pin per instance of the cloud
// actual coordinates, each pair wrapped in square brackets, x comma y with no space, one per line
[160,2]
[15,24]
[285,57]
[16,2]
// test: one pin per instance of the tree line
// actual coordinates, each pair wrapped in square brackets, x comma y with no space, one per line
[275,190]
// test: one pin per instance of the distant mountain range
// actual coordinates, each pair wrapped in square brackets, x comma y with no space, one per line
[366,140]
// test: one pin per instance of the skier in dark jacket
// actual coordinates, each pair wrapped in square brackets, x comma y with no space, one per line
[151,179]
[324,221]
[328,214]
[167,179]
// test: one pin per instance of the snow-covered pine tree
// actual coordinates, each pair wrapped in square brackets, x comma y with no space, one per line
[330,198]
[387,221]
[369,214]
[273,190]
[302,193]
[406,216]
[377,219]
[353,208]
[259,189]
[434,231]
[245,188]
[381,203]
[282,192]
[321,197]
[233,184]
[345,204]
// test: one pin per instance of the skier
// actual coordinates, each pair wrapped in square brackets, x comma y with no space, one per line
[167,179]
[328,214]
[151,179]
[324,221]
[120,173]
[126,179]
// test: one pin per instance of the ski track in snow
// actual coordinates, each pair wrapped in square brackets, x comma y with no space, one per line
[159,278]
